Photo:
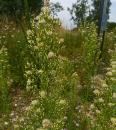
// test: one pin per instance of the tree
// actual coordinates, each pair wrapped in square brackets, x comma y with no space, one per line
[79,12]
[9,7]
[111,26]
[55,8]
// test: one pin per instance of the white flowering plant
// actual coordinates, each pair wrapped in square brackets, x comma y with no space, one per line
[50,76]
[100,113]
[43,45]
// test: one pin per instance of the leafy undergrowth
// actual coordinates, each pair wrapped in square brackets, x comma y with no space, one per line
[62,88]
[19,100]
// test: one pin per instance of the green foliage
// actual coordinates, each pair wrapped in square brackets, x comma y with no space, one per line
[94,94]
[82,47]
[111,26]
[48,112]
[60,76]
[16,8]
[3,79]
[48,75]
[15,42]
[17,54]
[79,12]
[55,8]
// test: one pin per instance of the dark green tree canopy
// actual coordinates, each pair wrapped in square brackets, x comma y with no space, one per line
[79,12]
[55,8]
[9,7]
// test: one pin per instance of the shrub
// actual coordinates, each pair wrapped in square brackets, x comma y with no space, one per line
[48,75]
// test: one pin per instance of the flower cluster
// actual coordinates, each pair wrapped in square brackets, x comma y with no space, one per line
[111,79]
[99,111]
[44,46]
[43,113]
[104,98]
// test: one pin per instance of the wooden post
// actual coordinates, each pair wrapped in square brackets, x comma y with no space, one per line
[102,22]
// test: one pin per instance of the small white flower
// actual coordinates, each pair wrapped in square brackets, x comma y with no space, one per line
[30,41]
[29,81]
[18,41]
[108,69]
[113,120]
[6,123]
[15,105]
[77,124]
[62,102]
[104,85]
[38,39]
[113,79]
[42,94]
[28,64]
[40,45]
[35,47]
[28,108]
[12,36]
[49,32]
[21,119]
[38,110]
[109,73]
[65,118]
[75,75]
[37,18]
[42,21]
[40,71]
[12,114]
[92,106]
[96,92]
[29,32]
[98,112]
[51,55]
[4,36]
[114,95]
[110,51]
[46,123]
[100,100]
[28,72]
[110,104]
[14,120]
[34,102]
[61,40]
[16,126]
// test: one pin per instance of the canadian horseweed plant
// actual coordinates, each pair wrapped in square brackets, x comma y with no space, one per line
[99,113]
[48,74]
[111,79]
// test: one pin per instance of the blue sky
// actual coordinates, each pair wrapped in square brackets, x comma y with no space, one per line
[65,15]
[113,11]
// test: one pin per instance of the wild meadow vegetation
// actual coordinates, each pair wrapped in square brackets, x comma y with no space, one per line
[55,79]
